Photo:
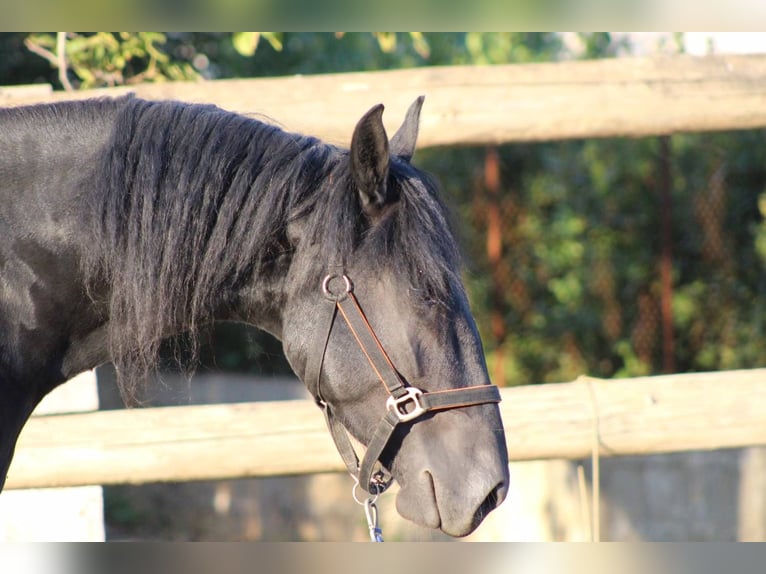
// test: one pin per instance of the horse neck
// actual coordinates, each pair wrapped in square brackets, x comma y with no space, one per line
[47,154]
[192,219]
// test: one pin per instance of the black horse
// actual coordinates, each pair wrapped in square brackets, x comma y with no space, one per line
[124,222]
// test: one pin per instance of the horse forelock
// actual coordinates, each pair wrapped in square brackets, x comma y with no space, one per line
[193,201]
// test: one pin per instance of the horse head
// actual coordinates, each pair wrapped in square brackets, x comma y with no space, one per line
[383,241]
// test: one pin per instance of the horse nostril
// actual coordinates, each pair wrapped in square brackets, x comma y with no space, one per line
[492,501]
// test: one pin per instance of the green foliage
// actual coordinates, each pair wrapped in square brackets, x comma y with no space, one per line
[501,48]
[107,59]
[388,42]
[246,43]
[600,45]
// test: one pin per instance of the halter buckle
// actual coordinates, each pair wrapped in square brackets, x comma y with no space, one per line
[401,405]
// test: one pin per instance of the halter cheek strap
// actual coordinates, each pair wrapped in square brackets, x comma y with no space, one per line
[404,404]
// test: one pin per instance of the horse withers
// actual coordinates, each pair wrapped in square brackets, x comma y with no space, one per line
[124,222]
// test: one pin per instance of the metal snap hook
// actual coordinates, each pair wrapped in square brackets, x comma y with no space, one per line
[371,514]
[348,286]
[370,511]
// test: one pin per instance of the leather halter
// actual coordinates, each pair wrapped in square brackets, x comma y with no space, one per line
[405,403]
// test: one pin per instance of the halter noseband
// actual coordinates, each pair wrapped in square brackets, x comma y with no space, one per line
[404,404]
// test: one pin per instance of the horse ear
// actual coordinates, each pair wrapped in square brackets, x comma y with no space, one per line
[370,159]
[404,140]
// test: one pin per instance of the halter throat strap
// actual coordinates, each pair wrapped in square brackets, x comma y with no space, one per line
[404,404]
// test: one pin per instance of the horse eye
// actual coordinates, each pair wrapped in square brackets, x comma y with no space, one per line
[424,297]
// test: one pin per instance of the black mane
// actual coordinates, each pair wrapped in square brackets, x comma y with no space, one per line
[191,202]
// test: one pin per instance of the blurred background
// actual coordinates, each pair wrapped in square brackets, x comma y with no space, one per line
[612,257]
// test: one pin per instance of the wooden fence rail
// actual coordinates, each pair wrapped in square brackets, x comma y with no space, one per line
[491,105]
[629,416]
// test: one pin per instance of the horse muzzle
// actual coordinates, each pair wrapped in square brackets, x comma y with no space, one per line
[451,475]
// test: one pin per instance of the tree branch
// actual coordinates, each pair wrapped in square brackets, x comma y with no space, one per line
[57,60]
[61,60]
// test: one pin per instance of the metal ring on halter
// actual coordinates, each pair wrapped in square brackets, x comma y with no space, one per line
[349,286]
[368,499]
